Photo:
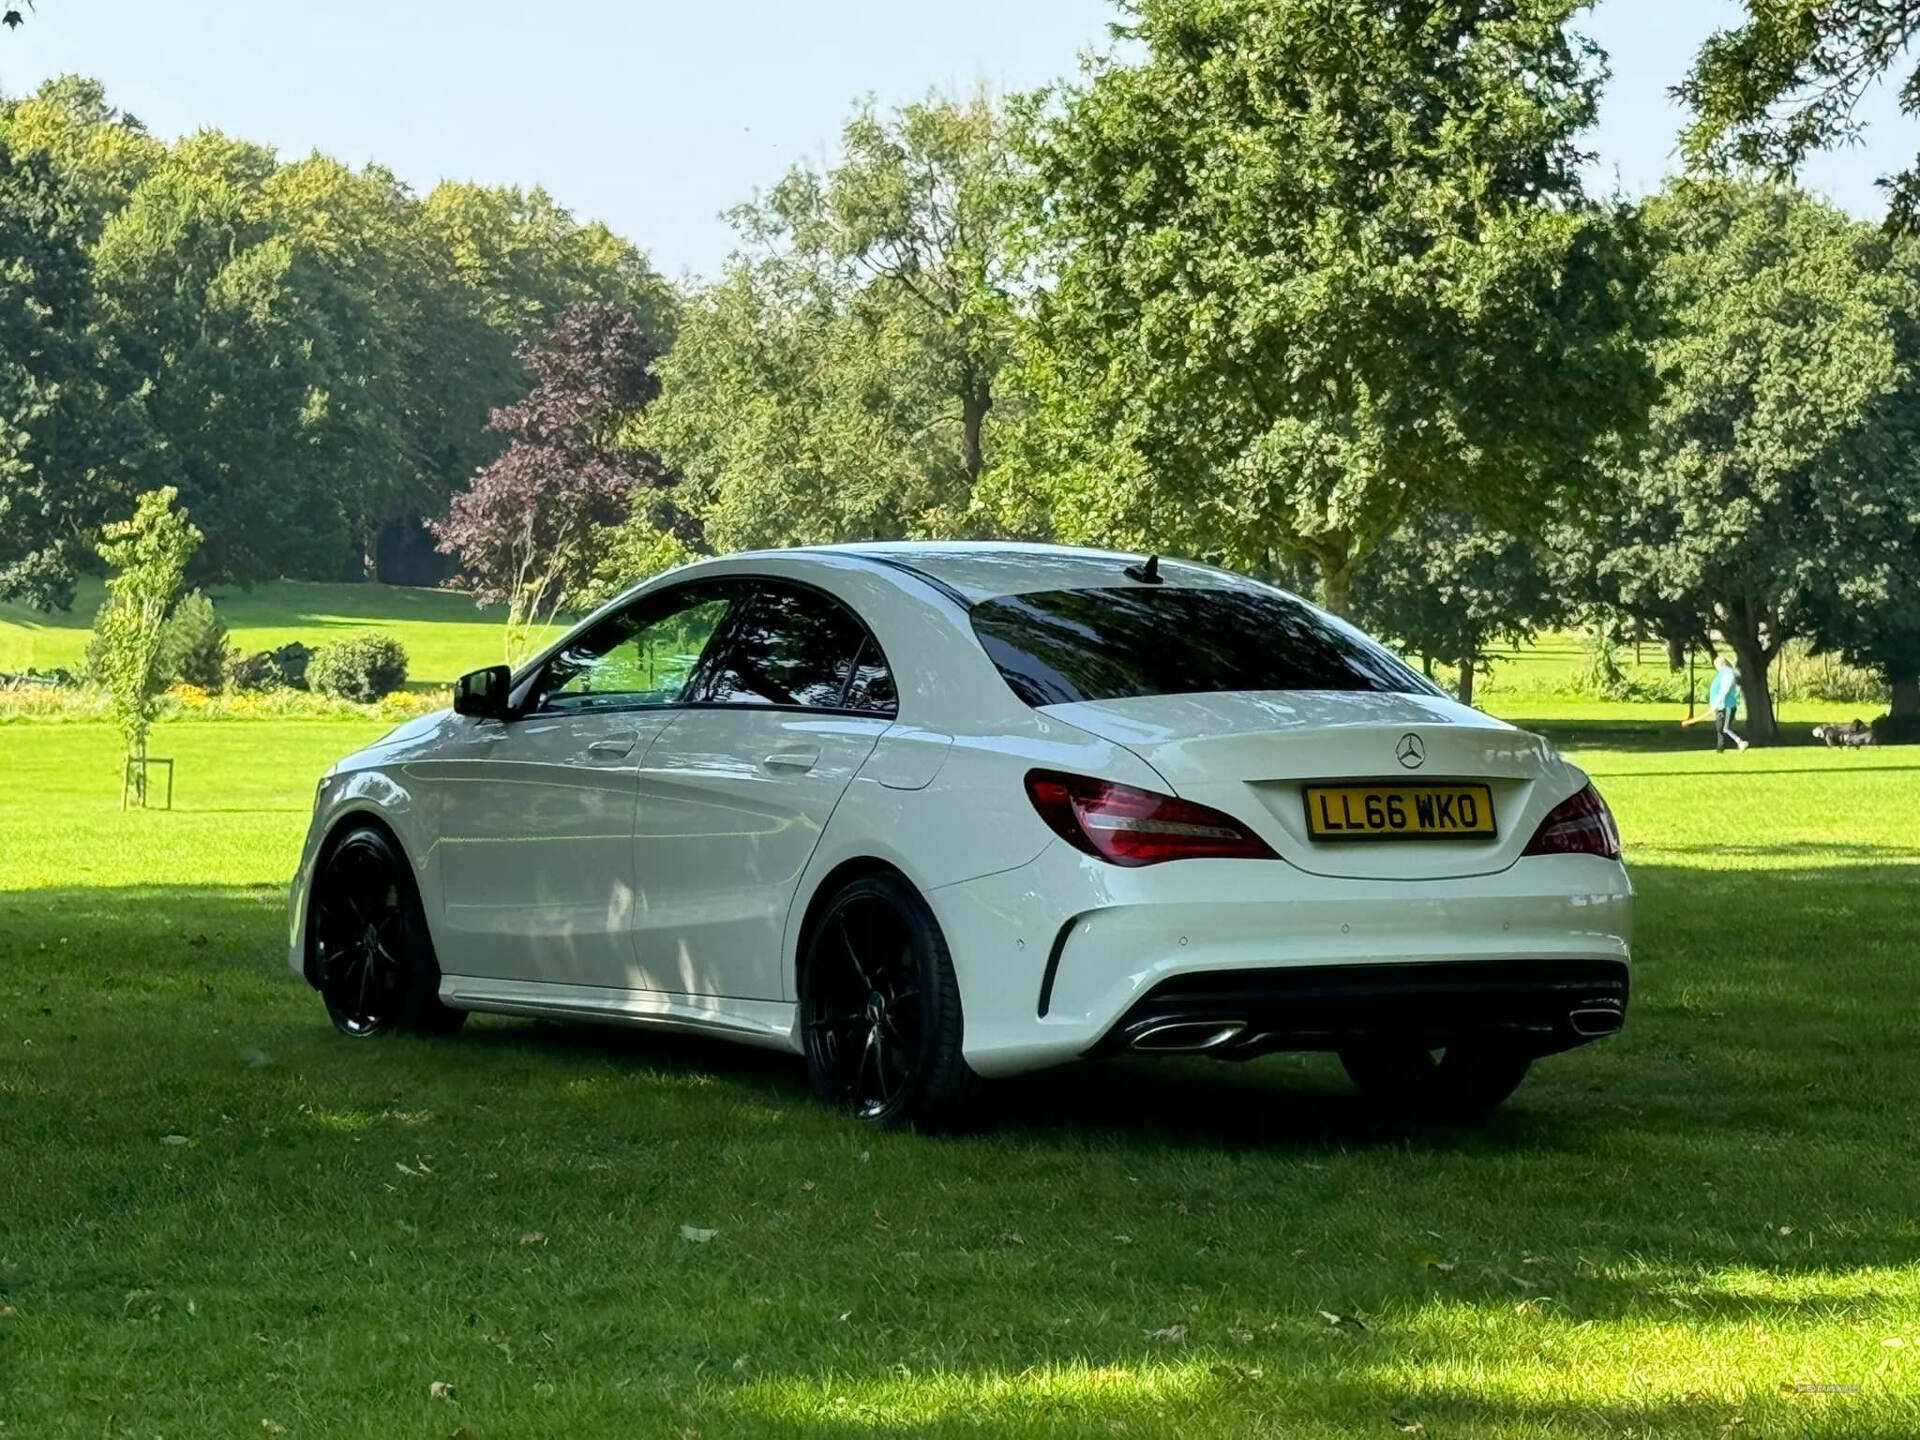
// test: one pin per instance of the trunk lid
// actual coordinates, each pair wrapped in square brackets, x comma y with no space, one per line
[1252,754]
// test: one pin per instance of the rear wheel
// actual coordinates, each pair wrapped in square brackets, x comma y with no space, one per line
[1459,1080]
[373,959]
[880,1010]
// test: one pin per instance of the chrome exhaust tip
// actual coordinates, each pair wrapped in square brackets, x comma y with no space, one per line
[1186,1037]
[1594,1020]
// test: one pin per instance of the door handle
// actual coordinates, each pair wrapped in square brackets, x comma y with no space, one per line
[614,747]
[798,760]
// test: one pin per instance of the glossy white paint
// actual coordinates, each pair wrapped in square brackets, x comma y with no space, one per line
[690,910]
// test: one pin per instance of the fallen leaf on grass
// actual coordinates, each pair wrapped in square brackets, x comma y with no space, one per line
[696,1234]
[440,1390]
[1172,1335]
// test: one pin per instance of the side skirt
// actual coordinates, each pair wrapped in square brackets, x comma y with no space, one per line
[771,1024]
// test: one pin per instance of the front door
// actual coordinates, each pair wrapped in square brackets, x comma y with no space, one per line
[537,816]
[735,794]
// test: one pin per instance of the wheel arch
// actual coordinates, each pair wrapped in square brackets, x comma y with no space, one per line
[855,867]
[339,826]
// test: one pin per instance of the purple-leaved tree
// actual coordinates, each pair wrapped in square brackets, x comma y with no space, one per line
[525,529]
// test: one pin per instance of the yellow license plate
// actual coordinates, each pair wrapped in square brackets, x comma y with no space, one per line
[1399,812]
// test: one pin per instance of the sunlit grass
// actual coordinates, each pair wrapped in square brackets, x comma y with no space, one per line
[444,633]
[214,1212]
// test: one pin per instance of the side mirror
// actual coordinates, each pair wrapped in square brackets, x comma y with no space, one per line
[483,693]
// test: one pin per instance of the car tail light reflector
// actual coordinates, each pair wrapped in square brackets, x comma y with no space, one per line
[1129,826]
[1579,825]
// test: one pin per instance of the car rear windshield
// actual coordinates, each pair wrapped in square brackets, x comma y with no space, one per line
[1059,646]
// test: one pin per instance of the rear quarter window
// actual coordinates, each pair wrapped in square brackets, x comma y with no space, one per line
[1056,647]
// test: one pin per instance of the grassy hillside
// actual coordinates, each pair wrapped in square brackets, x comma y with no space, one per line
[444,633]
[446,636]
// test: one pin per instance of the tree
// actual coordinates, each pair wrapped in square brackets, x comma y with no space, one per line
[1784,427]
[1447,587]
[1769,92]
[71,438]
[131,652]
[525,529]
[840,379]
[315,349]
[1315,266]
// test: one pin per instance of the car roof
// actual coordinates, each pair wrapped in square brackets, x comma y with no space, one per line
[980,570]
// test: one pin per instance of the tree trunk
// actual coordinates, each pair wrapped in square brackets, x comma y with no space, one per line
[1336,583]
[1754,658]
[1466,681]
[1906,695]
[976,399]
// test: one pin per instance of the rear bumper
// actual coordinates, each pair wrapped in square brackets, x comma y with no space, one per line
[1067,956]
[1536,1006]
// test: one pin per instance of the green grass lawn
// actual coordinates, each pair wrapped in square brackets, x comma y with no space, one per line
[444,633]
[219,1218]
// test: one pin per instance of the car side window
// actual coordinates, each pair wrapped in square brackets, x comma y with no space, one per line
[647,654]
[791,646]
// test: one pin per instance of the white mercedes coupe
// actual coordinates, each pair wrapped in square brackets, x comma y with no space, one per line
[927,813]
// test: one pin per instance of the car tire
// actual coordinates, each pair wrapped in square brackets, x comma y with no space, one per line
[373,960]
[1464,1080]
[880,1010]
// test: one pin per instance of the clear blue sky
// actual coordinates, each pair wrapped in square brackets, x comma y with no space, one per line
[656,115]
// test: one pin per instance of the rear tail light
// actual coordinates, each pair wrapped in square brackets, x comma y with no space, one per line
[1127,826]
[1578,825]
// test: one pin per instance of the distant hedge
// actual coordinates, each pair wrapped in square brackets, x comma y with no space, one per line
[365,668]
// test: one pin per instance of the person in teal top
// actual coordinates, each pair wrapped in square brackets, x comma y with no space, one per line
[1724,700]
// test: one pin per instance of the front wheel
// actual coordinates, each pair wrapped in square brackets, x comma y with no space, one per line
[373,958]
[880,1010]
[1460,1080]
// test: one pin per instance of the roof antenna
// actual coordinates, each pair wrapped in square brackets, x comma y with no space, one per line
[1147,574]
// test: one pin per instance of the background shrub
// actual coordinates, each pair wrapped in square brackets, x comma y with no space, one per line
[282,669]
[198,639]
[365,668]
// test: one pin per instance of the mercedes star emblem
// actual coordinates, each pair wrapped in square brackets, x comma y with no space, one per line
[1412,751]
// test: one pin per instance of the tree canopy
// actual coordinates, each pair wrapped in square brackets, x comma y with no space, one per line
[838,381]
[1789,80]
[1313,267]
[1781,453]
[314,349]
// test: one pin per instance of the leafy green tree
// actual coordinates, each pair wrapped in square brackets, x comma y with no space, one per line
[1447,587]
[1789,80]
[197,638]
[132,655]
[317,350]
[527,529]
[71,436]
[1315,266]
[1785,425]
[839,382]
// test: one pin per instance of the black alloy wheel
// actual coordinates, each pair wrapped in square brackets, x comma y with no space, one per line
[881,1011]
[373,960]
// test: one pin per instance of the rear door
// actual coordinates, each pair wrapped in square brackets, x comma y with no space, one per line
[735,794]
